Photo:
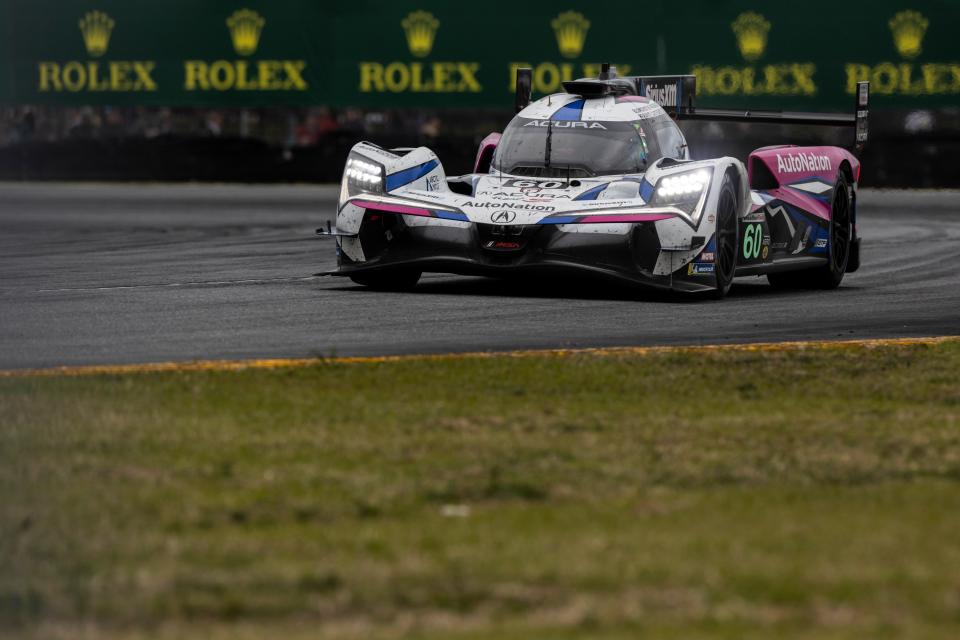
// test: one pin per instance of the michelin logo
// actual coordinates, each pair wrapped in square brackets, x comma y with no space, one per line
[802,162]
[697,268]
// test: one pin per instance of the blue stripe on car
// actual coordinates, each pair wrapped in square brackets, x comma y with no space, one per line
[451,215]
[400,178]
[572,111]
[592,194]
[646,190]
[559,220]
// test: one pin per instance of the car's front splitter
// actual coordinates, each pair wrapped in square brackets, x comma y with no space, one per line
[488,250]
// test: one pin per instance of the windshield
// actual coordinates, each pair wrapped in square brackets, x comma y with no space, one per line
[555,148]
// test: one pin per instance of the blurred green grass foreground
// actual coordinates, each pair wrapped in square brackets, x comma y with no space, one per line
[777,494]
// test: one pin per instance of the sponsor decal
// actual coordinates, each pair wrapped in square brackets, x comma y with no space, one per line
[77,76]
[751,30]
[433,183]
[765,252]
[527,195]
[503,216]
[510,205]
[821,243]
[96,27]
[706,256]
[711,218]
[548,77]
[604,204]
[502,244]
[663,95]
[644,111]
[245,27]
[420,30]
[570,28]
[417,77]
[802,162]
[695,269]
[908,29]
[377,151]
[565,124]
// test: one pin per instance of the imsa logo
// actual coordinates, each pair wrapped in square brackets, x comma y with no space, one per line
[77,76]
[245,27]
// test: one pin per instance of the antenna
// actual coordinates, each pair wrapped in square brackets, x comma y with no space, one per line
[524,89]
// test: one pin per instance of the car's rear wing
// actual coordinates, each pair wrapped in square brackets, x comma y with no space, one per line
[677,94]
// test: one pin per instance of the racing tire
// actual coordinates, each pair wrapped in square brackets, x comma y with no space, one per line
[725,260]
[396,280]
[839,246]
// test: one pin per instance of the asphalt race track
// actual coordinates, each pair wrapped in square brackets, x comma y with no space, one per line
[107,274]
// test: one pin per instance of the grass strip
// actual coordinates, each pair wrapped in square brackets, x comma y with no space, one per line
[720,493]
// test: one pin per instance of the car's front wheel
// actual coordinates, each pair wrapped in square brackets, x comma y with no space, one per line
[725,258]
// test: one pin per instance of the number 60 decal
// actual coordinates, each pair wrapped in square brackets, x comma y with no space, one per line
[752,241]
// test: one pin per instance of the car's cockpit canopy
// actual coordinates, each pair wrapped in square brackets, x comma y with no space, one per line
[570,135]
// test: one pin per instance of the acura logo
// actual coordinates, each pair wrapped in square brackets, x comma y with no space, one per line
[503,216]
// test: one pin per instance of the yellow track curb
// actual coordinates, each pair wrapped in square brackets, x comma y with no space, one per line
[278,363]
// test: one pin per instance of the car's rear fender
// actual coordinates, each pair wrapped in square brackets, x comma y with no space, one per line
[804,176]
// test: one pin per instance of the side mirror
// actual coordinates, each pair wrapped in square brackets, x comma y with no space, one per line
[524,88]
[485,153]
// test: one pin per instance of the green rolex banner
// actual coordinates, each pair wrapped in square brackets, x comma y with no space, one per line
[439,54]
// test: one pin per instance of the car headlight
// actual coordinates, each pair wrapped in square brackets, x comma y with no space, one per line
[681,187]
[683,191]
[361,176]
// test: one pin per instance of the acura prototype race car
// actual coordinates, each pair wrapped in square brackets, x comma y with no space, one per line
[598,179]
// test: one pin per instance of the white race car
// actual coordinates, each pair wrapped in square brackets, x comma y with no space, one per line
[598,179]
